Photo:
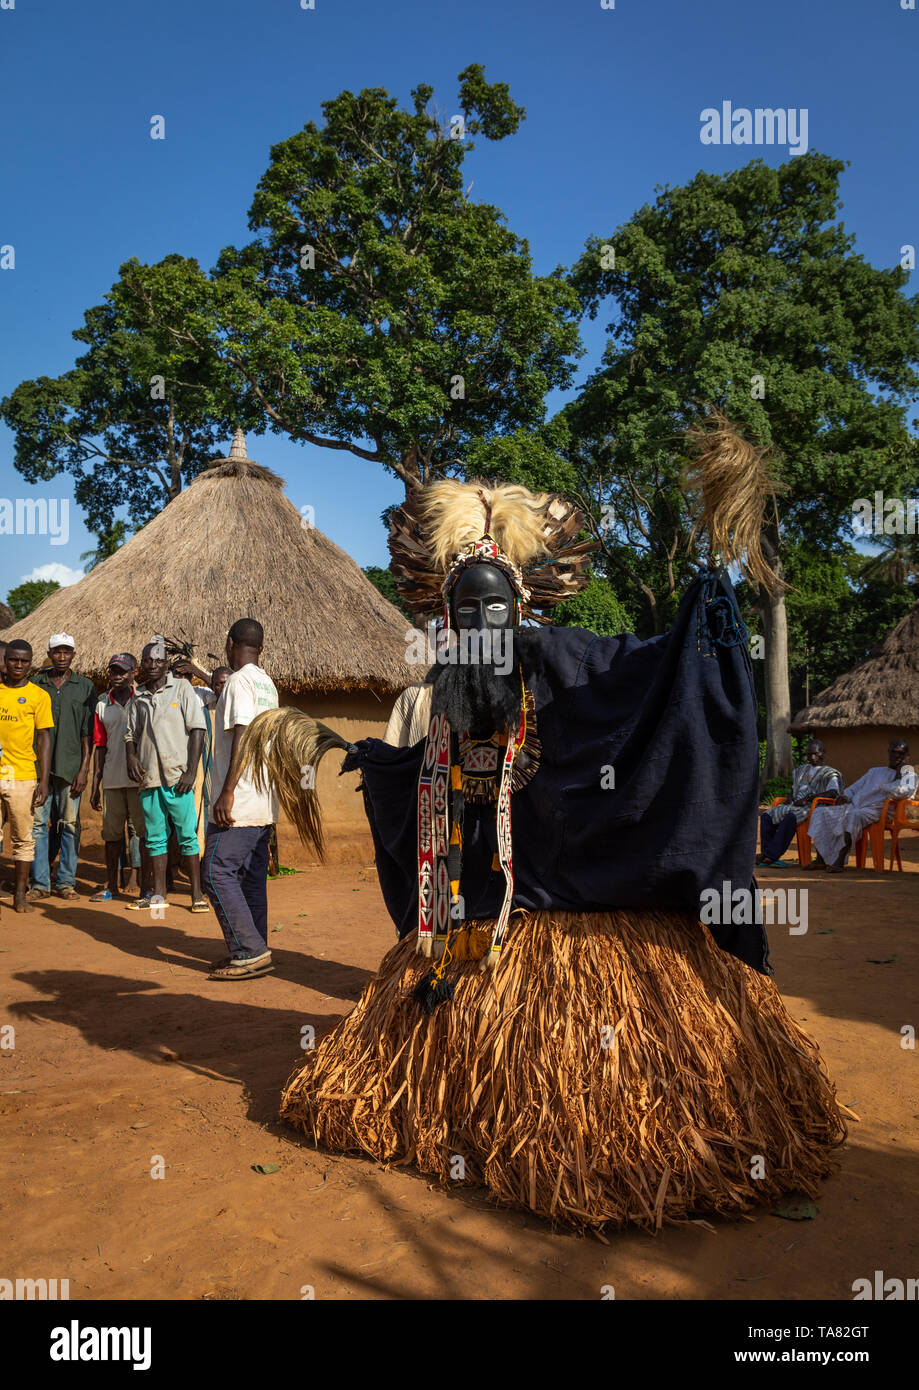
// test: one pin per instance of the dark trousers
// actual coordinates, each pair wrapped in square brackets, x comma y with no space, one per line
[775,839]
[234,875]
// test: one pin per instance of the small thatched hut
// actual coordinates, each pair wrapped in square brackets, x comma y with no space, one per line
[230,546]
[876,701]
[7,616]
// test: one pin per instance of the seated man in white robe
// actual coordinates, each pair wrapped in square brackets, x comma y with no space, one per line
[834,829]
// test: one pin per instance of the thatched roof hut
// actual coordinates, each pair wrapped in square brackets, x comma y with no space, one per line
[865,708]
[7,616]
[192,570]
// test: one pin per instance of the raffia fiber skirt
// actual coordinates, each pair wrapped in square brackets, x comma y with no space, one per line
[616,1068]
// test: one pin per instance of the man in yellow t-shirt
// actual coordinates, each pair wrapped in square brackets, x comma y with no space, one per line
[25,722]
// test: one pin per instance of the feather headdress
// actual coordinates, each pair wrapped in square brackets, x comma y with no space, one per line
[533,535]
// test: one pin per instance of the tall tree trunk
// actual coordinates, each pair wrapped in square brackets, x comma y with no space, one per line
[409,470]
[175,471]
[778,695]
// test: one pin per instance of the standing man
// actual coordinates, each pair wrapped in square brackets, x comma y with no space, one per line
[236,849]
[25,725]
[57,820]
[208,695]
[163,737]
[113,792]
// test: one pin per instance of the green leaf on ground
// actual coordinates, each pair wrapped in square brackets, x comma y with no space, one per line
[797,1211]
[265,1168]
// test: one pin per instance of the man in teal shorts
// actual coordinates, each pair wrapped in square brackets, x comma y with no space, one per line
[164,734]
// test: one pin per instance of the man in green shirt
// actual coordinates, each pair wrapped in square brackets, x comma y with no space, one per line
[56,827]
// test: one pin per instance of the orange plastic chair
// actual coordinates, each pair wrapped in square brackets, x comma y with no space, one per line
[803,839]
[873,835]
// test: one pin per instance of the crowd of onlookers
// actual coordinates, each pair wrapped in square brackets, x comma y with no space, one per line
[163,756]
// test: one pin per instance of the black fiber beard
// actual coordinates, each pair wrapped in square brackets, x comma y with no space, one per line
[476,698]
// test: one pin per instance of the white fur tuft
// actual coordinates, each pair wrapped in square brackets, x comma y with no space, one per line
[453,515]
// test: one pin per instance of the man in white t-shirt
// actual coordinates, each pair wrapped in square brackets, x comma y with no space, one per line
[234,871]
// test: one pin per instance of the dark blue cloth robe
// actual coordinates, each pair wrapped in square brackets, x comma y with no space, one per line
[671,720]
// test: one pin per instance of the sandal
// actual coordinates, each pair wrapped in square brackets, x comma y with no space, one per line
[105,896]
[200,905]
[243,970]
[36,894]
[139,904]
[67,892]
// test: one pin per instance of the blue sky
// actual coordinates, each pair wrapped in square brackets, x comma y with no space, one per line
[613,100]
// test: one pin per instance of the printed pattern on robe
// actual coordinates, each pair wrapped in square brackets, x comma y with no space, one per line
[480,759]
[433,832]
[824,781]
[505,851]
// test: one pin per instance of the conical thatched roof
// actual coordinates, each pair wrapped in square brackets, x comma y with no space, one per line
[194,569]
[883,689]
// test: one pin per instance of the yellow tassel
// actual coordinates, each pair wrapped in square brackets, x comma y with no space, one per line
[456,777]
[444,962]
[470,943]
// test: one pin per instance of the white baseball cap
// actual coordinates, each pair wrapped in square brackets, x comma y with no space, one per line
[61,639]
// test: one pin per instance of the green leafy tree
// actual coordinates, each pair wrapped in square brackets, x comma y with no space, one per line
[383,580]
[743,291]
[597,608]
[640,545]
[143,409]
[896,560]
[640,517]
[381,310]
[27,596]
[838,611]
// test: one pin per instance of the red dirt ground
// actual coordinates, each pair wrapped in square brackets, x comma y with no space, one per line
[88,1102]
